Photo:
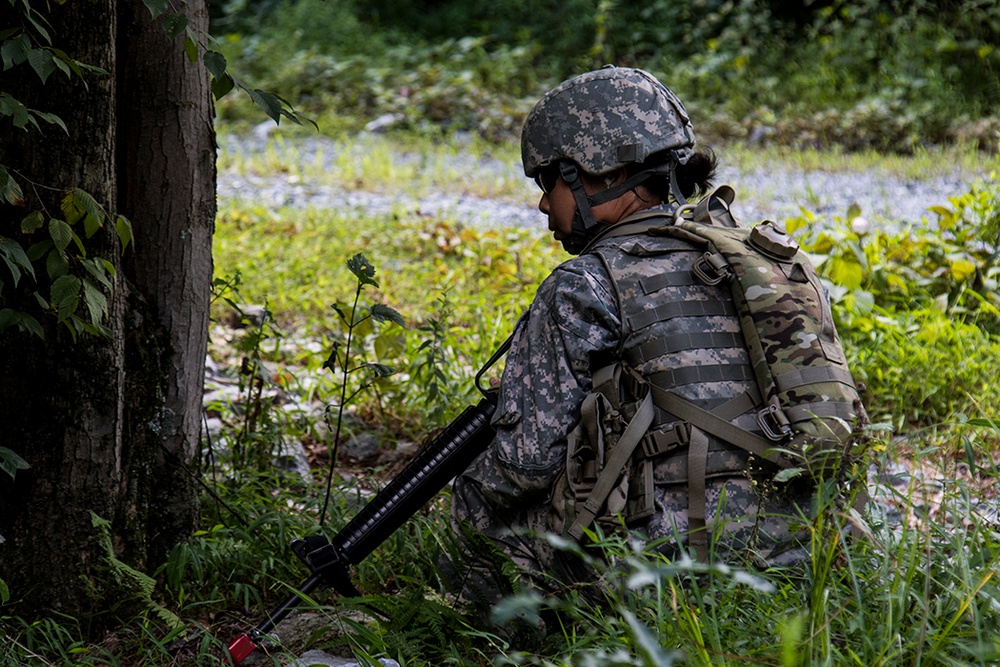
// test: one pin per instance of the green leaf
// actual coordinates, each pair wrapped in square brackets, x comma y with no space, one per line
[96,269]
[12,267]
[15,258]
[788,474]
[22,117]
[61,234]
[9,188]
[191,46]
[124,229]
[383,313]
[846,272]
[32,222]
[72,208]
[155,7]
[389,344]
[36,21]
[65,295]
[15,51]
[174,24]
[56,265]
[22,321]
[8,104]
[41,61]
[4,591]
[853,211]
[62,65]
[91,225]
[268,102]
[332,359]
[337,308]
[988,423]
[380,370]
[53,119]
[94,210]
[95,301]
[215,62]
[11,462]
[77,203]
[37,250]
[362,269]
[222,86]
[523,606]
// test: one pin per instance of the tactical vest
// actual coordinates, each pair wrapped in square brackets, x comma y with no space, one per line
[683,392]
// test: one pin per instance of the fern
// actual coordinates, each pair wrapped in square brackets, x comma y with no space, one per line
[137,585]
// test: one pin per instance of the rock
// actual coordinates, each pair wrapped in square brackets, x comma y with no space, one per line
[384,122]
[291,457]
[362,447]
[314,657]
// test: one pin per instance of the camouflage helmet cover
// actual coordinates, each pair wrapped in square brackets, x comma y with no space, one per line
[605,119]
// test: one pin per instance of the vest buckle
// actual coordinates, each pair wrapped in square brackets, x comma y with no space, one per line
[711,268]
[773,423]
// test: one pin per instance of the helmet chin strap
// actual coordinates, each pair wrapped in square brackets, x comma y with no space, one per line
[584,225]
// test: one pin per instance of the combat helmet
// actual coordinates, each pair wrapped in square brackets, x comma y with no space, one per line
[600,121]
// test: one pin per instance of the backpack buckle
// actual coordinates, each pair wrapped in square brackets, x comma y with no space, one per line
[658,443]
[773,423]
[711,268]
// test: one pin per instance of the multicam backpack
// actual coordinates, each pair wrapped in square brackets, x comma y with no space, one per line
[808,406]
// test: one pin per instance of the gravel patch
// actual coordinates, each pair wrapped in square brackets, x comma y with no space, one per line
[774,193]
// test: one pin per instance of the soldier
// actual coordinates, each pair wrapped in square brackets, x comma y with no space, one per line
[613,153]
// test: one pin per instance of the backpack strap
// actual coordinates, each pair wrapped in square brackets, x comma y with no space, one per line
[697,466]
[713,209]
[718,426]
[614,466]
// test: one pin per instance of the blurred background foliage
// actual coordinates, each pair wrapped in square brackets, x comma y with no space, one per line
[891,75]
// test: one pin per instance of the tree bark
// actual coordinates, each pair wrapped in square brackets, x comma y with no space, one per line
[104,421]
[166,176]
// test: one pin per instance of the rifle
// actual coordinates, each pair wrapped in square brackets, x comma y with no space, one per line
[328,559]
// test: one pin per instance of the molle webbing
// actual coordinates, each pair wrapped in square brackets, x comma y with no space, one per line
[825,410]
[804,376]
[668,279]
[674,309]
[700,374]
[679,342]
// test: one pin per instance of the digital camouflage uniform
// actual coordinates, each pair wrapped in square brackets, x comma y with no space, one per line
[599,308]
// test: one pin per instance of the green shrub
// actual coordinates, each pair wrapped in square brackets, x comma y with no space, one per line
[917,307]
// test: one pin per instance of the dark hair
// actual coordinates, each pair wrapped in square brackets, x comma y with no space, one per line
[695,177]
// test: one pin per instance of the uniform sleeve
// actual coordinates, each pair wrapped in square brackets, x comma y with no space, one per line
[573,317]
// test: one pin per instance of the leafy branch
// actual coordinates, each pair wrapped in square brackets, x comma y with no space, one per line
[77,282]
[339,360]
[75,292]
[223,80]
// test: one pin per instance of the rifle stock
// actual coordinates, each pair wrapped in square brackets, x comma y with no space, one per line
[328,559]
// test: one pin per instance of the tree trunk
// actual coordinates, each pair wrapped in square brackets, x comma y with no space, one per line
[166,176]
[103,421]
[61,401]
